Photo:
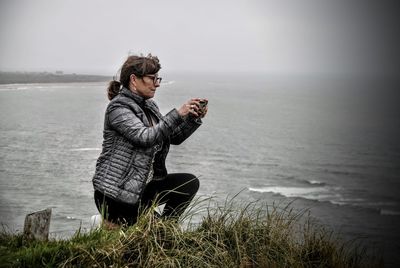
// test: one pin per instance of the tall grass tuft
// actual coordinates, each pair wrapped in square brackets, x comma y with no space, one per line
[232,235]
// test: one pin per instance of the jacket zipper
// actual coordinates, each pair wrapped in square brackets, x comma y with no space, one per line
[151,170]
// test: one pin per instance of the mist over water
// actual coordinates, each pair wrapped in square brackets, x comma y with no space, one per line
[325,143]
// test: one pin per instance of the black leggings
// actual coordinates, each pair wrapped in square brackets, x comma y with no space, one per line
[175,191]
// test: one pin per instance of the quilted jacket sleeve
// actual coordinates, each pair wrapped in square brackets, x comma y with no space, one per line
[184,130]
[124,121]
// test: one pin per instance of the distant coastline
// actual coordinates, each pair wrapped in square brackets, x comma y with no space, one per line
[48,77]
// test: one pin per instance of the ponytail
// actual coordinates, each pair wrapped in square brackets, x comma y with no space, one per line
[113,89]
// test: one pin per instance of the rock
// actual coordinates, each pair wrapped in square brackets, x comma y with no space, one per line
[37,225]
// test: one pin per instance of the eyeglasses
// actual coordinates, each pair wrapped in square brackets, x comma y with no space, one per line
[155,78]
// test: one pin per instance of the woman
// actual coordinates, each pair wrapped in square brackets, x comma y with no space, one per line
[130,172]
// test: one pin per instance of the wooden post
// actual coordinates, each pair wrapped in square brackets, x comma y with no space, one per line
[37,225]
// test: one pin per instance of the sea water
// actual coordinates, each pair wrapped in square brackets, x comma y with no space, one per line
[329,144]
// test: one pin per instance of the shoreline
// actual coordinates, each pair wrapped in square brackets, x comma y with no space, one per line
[47,77]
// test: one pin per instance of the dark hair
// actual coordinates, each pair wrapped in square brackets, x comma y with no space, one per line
[137,65]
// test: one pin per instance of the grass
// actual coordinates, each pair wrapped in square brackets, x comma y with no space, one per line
[231,235]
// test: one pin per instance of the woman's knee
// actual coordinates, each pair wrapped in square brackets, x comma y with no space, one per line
[185,181]
[194,182]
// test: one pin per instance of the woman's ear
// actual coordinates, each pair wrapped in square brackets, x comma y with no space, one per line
[133,80]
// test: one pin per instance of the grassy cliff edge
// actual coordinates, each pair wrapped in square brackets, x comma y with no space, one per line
[231,235]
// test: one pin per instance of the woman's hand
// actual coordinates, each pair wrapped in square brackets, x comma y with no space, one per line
[190,107]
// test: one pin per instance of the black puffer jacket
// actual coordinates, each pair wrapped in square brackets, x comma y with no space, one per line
[130,145]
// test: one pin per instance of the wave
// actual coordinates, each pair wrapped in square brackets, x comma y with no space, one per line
[389,212]
[167,83]
[330,195]
[43,86]
[347,201]
[22,87]
[314,182]
[13,88]
[316,194]
[305,182]
[85,149]
[307,192]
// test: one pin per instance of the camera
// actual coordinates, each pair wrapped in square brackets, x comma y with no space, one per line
[202,105]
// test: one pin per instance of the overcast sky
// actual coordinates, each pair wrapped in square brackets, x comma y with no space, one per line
[95,36]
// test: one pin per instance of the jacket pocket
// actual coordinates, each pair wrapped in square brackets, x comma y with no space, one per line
[125,178]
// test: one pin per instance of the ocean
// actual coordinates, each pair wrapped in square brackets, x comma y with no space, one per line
[329,144]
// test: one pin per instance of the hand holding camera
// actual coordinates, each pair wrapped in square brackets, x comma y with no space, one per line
[195,107]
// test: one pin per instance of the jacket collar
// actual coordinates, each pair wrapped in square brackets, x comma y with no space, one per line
[136,97]
[142,102]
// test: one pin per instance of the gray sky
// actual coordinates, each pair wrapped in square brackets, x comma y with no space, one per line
[95,36]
